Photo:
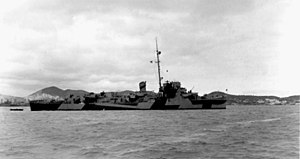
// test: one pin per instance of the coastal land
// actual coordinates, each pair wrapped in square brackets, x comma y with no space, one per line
[57,93]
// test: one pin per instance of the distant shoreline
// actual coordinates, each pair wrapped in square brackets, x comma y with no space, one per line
[57,93]
[240,105]
[14,105]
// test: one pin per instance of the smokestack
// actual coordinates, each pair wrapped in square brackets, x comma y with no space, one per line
[142,86]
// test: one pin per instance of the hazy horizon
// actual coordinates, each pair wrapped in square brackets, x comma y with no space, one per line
[249,47]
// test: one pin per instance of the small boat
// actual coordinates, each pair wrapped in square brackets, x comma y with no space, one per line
[16,109]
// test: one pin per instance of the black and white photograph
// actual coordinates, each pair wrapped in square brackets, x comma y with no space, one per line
[149,79]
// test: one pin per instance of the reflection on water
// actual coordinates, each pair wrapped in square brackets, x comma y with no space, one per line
[237,132]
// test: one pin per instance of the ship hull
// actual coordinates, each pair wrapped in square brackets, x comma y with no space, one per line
[44,106]
[180,102]
[159,104]
[71,106]
[210,103]
[163,104]
[115,106]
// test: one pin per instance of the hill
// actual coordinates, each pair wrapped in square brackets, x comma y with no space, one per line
[257,100]
[55,93]
[7,100]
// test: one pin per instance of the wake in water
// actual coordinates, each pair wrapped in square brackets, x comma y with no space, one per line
[226,126]
[255,121]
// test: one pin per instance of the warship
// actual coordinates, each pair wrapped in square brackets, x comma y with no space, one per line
[170,96]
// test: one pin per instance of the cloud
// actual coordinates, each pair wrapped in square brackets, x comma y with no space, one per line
[94,45]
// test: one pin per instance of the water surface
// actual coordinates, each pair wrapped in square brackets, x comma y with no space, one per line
[237,132]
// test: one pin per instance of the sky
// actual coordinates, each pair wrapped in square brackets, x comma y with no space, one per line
[248,47]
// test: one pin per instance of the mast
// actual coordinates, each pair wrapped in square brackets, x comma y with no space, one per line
[158,66]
